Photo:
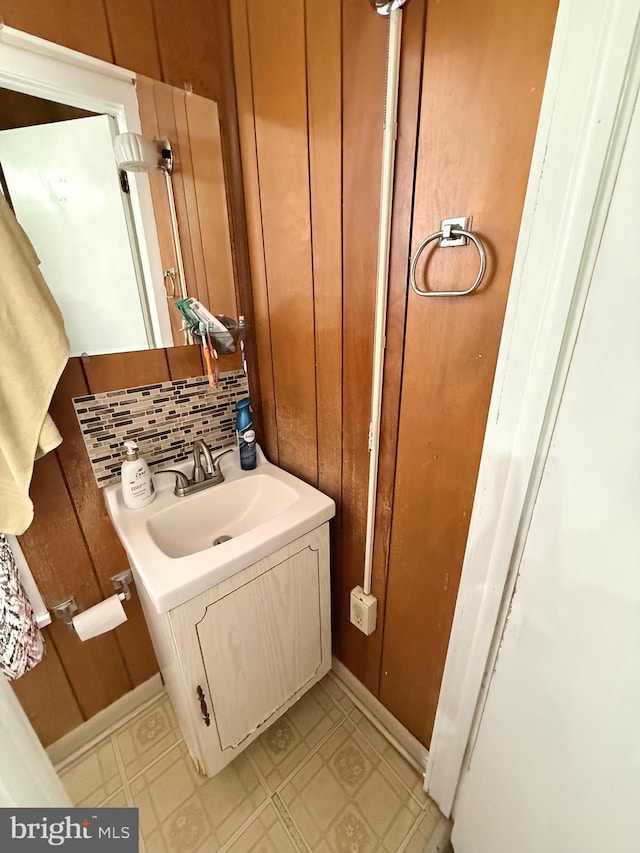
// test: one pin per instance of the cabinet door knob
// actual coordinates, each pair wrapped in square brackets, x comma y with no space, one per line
[203,706]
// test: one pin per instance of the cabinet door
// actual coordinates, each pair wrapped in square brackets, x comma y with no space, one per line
[261,644]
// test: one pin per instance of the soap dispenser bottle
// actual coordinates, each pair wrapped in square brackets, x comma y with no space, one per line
[246,434]
[137,483]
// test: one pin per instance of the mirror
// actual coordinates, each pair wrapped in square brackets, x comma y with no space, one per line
[105,239]
[59,176]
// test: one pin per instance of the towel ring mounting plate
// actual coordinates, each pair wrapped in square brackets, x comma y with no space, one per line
[450,231]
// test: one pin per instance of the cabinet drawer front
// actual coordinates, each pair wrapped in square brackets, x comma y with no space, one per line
[261,644]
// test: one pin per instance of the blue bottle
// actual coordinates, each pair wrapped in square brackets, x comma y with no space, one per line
[246,434]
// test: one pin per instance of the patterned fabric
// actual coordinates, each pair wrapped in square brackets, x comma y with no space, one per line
[21,643]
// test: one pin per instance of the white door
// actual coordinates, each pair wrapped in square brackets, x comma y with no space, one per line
[556,762]
[27,777]
[64,187]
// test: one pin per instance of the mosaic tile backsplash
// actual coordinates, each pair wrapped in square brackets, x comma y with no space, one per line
[165,419]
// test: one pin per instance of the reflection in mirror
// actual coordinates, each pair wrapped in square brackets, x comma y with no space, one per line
[103,237]
[61,179]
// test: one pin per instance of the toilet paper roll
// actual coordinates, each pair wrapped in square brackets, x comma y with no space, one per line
[102,617]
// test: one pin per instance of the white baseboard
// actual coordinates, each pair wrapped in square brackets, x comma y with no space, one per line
[104,722]
[440,841]
[391,728]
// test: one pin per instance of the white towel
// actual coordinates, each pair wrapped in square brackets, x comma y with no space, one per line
[33,352]
[21,643]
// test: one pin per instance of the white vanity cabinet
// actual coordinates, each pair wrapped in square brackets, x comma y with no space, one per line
[235,657]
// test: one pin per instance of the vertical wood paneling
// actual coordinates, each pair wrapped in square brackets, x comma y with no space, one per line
[47,696]
[324,75]
[185,362]
[324,56]
[188,45]
[125,369]
[211,203]
[78,24]
[107,554]
[248,145]
[365,657]
[364,43]
[232,158]
[56,551]
[413,36]
[484,74]
[490,66]
[280,102]
[133,36]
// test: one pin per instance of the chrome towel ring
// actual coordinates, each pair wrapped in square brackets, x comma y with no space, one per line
[451,234]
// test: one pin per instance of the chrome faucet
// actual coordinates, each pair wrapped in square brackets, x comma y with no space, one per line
[203,476]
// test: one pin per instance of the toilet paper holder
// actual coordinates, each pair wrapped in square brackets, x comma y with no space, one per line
[68,608]
[65,610]
[121,583]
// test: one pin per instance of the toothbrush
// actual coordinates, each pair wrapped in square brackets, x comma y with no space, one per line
[206,354]
[216,365]
[241,330]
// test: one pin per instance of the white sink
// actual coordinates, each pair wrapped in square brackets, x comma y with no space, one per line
[172,542]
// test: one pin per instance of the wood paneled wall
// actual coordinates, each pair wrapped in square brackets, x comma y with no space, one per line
[364,43]
[291,147]
[72,549]
[176,41]
[471,83]
[475,141]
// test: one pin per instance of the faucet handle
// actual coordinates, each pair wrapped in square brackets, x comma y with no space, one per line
[182,481]
[215,462]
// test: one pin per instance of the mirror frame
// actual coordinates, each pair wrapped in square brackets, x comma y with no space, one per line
[33,66]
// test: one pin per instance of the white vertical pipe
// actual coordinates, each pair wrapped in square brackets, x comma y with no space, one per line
[382,279]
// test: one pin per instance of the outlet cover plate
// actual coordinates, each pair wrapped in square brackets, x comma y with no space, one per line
[363,610]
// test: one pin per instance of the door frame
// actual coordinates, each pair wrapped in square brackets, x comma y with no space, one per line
[592,84]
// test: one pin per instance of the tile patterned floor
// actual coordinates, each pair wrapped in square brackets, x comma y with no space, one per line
[322,779]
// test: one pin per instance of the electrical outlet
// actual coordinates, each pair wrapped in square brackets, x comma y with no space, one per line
[363,610]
